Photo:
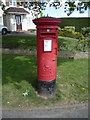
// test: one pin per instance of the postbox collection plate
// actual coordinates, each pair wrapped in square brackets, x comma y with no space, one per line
[47,45]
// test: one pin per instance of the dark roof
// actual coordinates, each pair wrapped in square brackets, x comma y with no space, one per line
[16,10]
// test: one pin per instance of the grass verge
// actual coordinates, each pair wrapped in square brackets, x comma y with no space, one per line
[19,76]
[23,42]
[29,42]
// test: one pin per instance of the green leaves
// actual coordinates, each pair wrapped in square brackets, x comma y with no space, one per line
[37,6]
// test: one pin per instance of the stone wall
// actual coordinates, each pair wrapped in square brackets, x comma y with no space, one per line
[68,54]
[18,52]
[63,54]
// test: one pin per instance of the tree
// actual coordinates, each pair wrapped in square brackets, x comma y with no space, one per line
[36,6]
[2,5]
[81,7]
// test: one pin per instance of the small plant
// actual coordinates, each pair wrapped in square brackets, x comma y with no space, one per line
[85,31]
[79,43]
[73,45]
[79,35]
[59,28]
[67,32]
[26,93]
[72,28]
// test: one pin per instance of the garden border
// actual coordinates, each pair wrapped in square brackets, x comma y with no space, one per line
[63,54]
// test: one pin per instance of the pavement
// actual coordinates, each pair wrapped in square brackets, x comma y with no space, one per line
[62,111]
[21,33]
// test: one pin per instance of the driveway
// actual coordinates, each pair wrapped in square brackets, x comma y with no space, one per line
[22,33]
[63,111]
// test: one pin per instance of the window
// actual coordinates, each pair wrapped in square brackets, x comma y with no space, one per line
[18,20]
[12,3]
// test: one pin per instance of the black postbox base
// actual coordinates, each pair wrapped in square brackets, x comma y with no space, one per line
[47,88]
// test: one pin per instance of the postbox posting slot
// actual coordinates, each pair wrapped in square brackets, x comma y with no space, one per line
[48,34]
[47,45]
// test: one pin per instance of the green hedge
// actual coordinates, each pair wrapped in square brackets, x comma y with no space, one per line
[78,23]
[73,45]
[70,33]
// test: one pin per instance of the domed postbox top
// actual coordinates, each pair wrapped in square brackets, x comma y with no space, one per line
[47,21]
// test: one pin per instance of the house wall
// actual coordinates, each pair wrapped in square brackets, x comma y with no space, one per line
[12,23]
[6,21]
[30,24]
[9,21]
[4,1]
[24,22]
[27,22]
[1,16]
[1,20]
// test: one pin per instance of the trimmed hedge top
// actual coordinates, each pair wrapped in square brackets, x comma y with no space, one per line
[78,23]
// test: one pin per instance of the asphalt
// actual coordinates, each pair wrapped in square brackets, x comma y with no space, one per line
[62,111]
[22,33]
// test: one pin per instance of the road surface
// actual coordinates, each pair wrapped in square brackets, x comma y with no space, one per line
[63,111]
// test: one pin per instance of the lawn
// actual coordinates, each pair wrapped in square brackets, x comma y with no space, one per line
[23,42]
[29,42]
[19,76]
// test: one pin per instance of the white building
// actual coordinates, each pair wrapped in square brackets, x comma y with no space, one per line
[1,13]
[17,18]
[1,17]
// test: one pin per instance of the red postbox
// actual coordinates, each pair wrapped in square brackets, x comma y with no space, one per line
[47,45]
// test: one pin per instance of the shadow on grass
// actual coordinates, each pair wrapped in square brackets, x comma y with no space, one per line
[18,68]
[18,41]
[20,74]
[62,60]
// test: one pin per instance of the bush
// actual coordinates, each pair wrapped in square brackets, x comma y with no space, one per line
[72,28]
[78,35]
[70,33]
[65,33]
[85,31]
[73,45]
[77,22]
[67,44]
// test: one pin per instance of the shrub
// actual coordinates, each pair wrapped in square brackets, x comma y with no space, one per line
[65,33]
[72,28]
[73,45]
[67,44]
[70,33]
[79,35]
[85,31]
[59,28]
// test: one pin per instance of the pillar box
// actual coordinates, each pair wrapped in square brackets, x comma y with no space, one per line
[47,45]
